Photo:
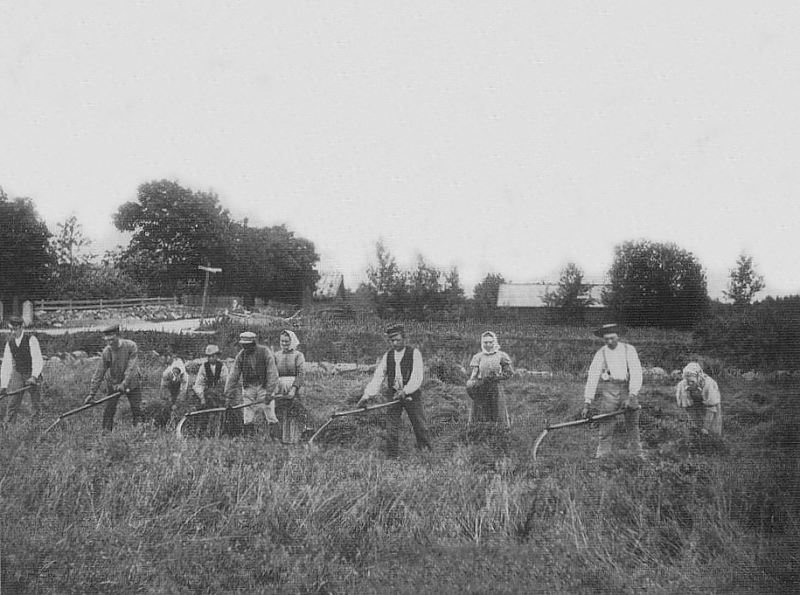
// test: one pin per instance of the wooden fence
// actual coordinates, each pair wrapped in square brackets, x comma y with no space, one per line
[51,305]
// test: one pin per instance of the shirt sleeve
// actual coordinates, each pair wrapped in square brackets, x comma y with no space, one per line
[271,381]
[5,370]
[100,371]
[635,370]
[680,394]
[300,371]
[235,374]
[711,396]
[417,374]
[184,385]
[475,362]
[200,380]
[374,386]
[131,367]
[595,369]
[36,357]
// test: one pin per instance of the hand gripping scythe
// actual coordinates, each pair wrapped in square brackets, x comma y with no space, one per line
[338,414]
[577,422]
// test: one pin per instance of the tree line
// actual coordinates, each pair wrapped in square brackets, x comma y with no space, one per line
[174,229]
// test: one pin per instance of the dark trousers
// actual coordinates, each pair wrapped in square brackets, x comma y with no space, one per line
[416,414]
[15,401]
[135,401]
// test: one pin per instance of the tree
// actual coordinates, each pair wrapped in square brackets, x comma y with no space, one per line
[69,247]
[745,282]
[270,263]
[656,284]
[174,229]
[25,257]
[387,283]
[571,296]
[485,292]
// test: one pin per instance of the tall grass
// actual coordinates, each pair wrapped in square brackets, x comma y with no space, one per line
[139,511]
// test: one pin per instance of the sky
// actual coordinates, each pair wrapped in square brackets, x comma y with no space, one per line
[507,137]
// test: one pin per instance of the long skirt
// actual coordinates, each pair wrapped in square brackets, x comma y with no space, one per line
[290,411]
[488,404]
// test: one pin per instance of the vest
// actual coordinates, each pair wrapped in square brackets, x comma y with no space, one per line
[406,366]
[23,362]
[212,376]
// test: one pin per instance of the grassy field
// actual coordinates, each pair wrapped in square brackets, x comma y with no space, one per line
[142,512]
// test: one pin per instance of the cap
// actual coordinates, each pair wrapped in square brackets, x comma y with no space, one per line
[247,338]
[112,329]
[15,321]
[608,329]
[211,349]
[394,329]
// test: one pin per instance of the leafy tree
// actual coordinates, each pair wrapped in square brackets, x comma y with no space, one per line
[25,257]
[69,247]
[571,296]
[269,263]
[745,282]
[485,292]
[387,283]
[175,229]
[656,284]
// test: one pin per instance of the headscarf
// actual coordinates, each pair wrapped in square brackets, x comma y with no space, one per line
[496,347]
[293,340]
[694,369]
[178,363]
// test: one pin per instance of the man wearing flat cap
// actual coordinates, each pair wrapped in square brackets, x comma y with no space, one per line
[257,371]
[618,372]
[402,368]
[119,367]
[22,368]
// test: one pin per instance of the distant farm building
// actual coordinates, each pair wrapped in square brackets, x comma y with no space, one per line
[527,300]
[330,286]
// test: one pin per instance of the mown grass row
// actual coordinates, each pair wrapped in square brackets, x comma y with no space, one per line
[139,511]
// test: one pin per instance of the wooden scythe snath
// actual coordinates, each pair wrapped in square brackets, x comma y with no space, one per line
[577,422]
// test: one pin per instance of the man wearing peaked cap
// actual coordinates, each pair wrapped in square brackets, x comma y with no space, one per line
[119,367]
[402,368]
[618,372]
[22,367]
[255,370]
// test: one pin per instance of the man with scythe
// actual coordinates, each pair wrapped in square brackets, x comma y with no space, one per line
[402,368]
[618,372]
[21,369]
[255,369]
[119,367]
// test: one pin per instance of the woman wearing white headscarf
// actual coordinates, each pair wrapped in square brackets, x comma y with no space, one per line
[291,373]
[489,367]
[698,393]
[174,384]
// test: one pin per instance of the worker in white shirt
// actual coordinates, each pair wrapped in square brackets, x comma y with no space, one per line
[22,367]
[618,372]
[402,368]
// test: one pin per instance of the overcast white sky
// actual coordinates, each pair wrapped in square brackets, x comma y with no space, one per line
[509,137]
